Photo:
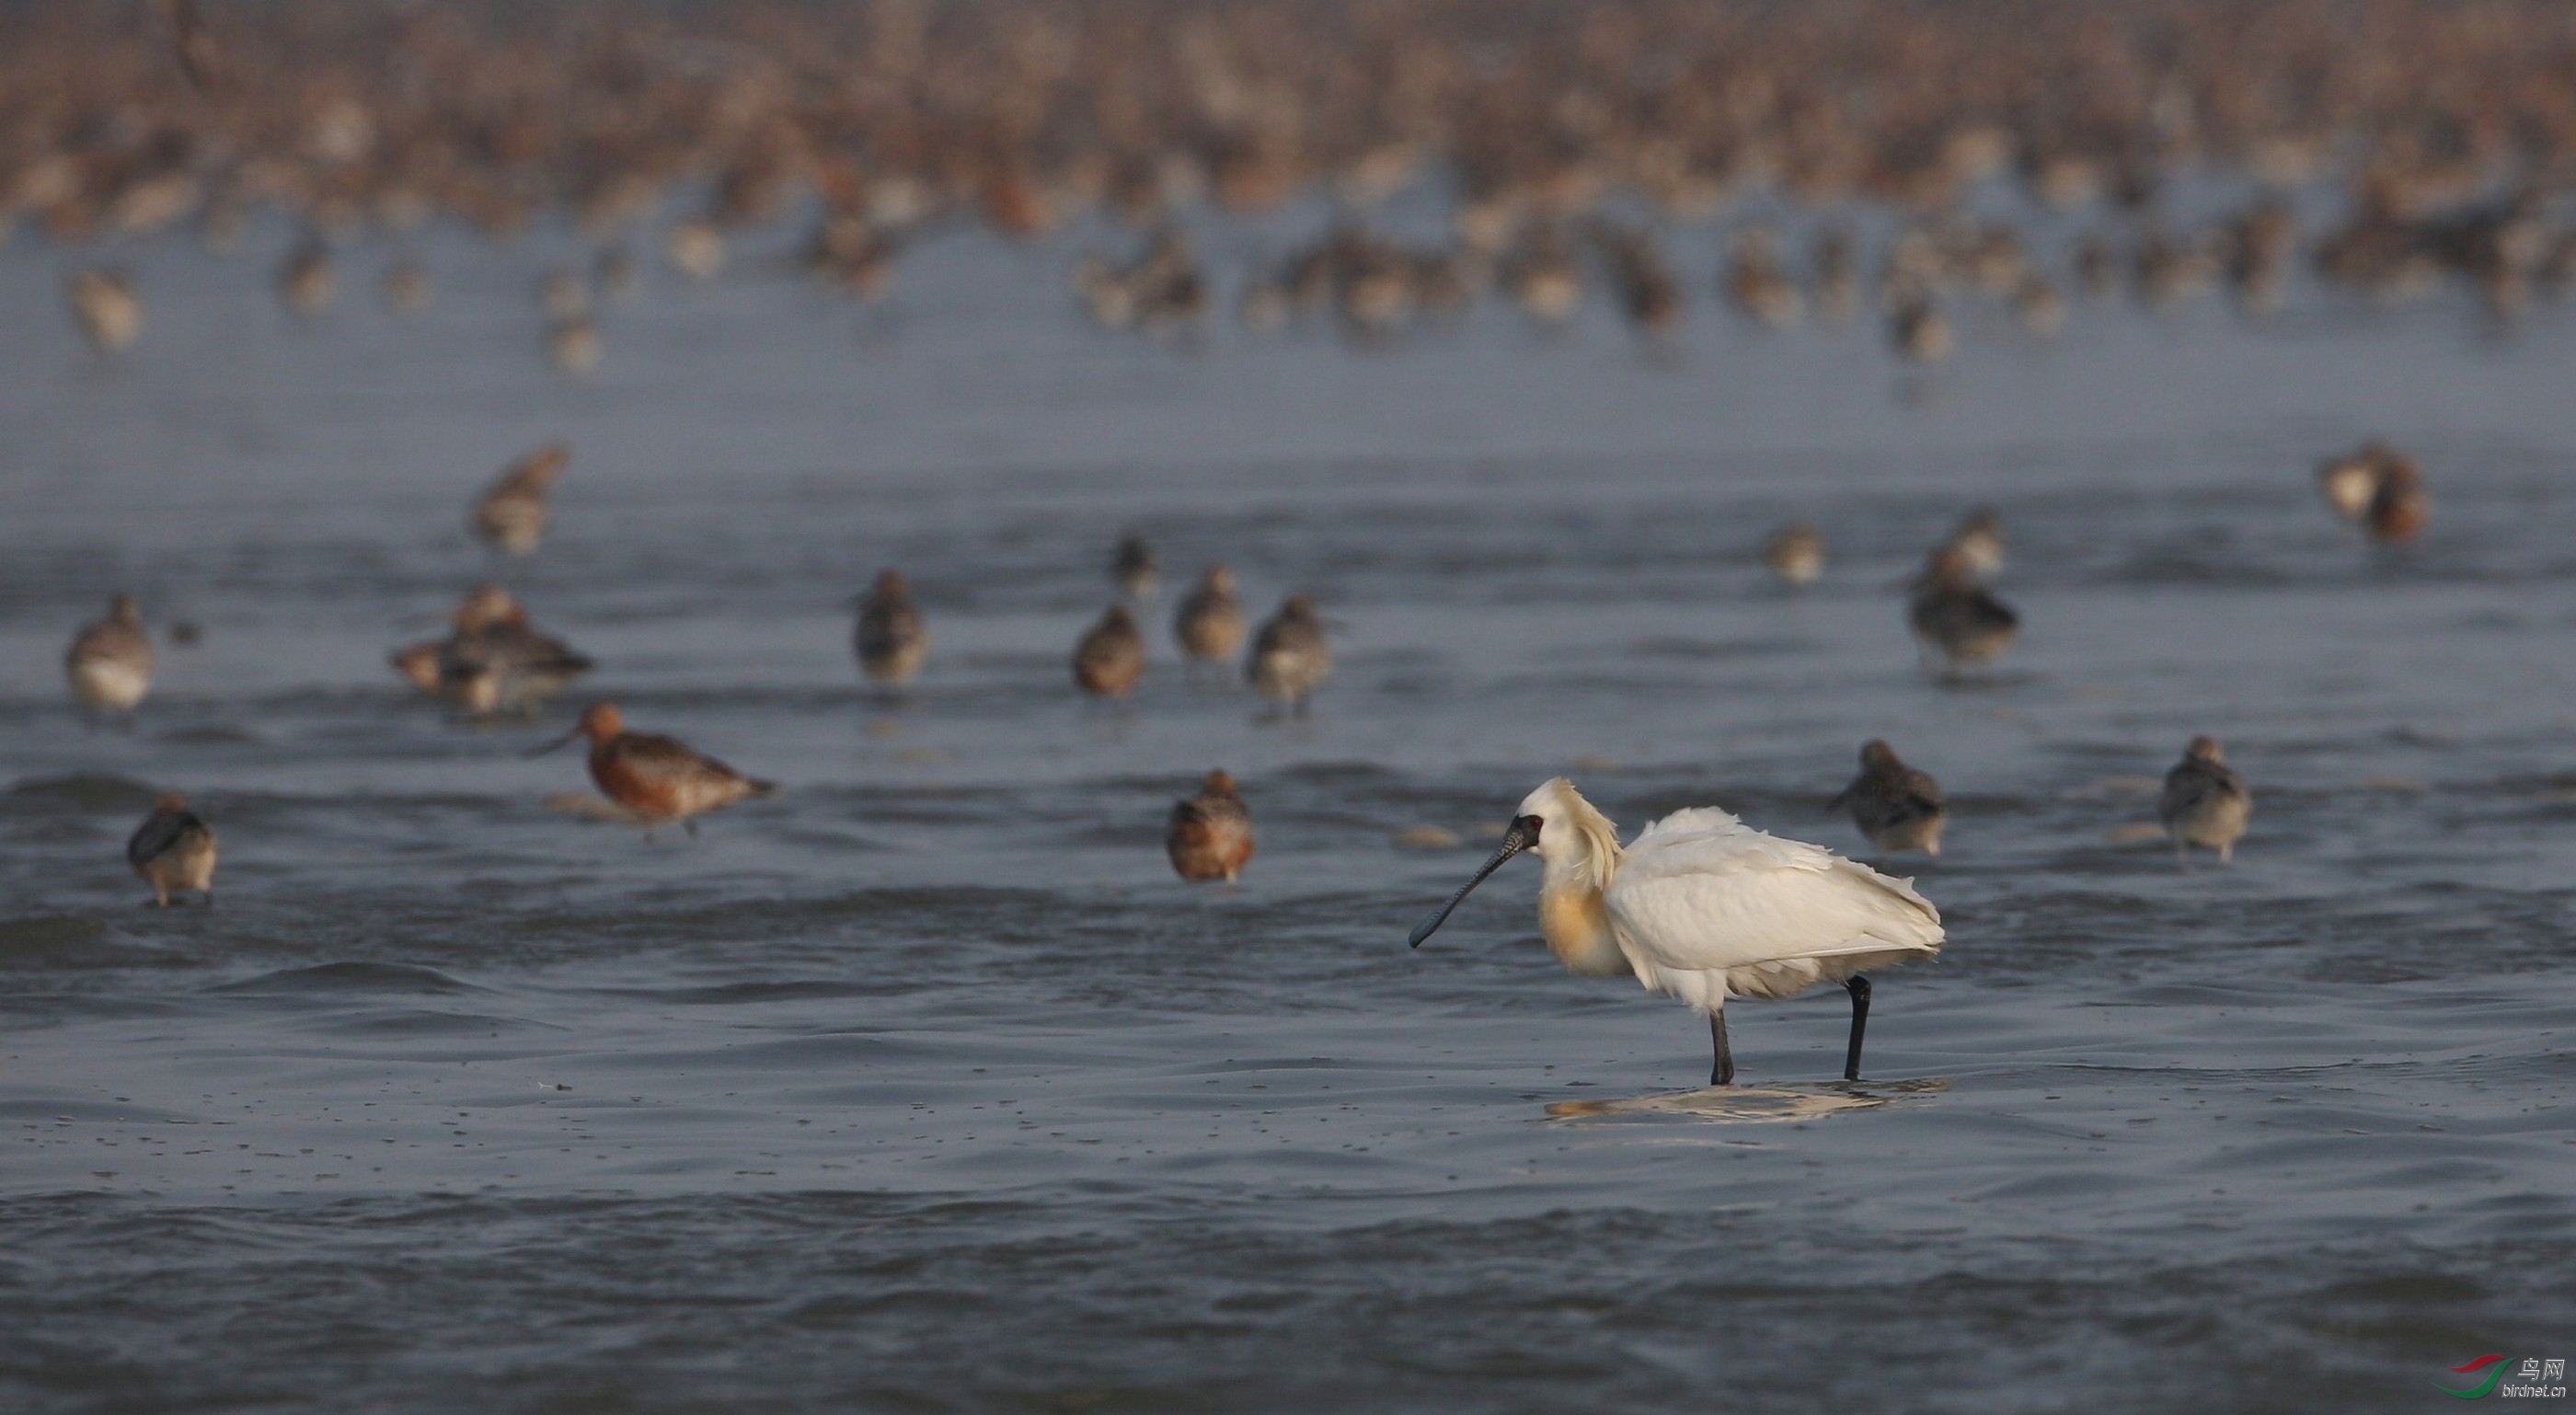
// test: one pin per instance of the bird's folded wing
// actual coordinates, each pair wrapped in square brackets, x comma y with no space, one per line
[1732,897]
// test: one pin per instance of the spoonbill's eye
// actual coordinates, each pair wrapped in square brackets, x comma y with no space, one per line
[1530,826]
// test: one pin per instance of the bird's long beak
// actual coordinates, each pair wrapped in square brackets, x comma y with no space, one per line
[556,743]
[1522,835]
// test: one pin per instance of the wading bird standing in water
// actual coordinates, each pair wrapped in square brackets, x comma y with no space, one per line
[1703,908]
[2205,803]
[1211,833]
[1132,568]
[1209,623]
[1289,659]
[1111,656]
[890,640]
[512,515]
[1795,553]
[173,850]
[659,779]
[1894,805]
[1956,617]
[110,662]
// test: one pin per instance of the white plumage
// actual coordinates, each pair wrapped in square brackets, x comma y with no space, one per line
[1703,908]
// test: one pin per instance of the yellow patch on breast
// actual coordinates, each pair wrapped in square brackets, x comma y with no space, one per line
[1577,930]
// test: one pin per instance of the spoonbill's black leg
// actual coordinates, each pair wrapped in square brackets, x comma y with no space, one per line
[1859,989]
[1723,1073]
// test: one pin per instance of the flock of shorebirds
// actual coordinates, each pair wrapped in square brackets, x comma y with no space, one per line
[1570,141]
[1699,905]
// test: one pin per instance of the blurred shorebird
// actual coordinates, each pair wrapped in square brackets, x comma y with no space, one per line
[1795,553]
[1133,570]
[108,310]
[1289,659]
[573,344]
[2205,803]
[658,779]
[1957,617]
[1210,836]
[2399,505]
[1111,655]
[173,850]
[1895,806]
[697,249]
[110,662]
[493,657]
[511,516]
[1703,908]
[2350,480]
[308,282]
[1209,623]
[889,638]
[1979,541]
[405,288]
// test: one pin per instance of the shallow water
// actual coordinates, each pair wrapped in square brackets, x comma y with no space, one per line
[924,1086]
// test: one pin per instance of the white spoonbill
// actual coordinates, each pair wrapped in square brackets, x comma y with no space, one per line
[1704,908]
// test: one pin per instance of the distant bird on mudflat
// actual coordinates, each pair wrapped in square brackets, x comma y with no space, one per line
[1895,806]
[1795,553]
[890,640]
[697,248]
[2205,803]
[1979,540]
[1209,623]
[1289,659]
[658,779]
[110,662]
[109,311]
[1956,617]
[1132,568]
[511,515]
[2350,481]
[173,850]
[1703,908]
[1111,655]
[1210,836]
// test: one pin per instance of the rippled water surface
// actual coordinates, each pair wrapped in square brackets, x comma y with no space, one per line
[924,1086]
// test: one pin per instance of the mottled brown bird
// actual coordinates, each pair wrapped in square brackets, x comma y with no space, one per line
[1289,659]
[512,515]
[1211,833]
[1795,553]
[2399,505]
[1111,656]
[173,850]
[1209,623]
[110,662]
[1895,806]
[1955,616]
[890,640]
[2205,803]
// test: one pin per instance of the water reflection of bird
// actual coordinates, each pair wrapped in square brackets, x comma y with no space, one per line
[173,850]
[1110,656]
[1210,836]
[1895,806]
[110,662]
[1704,908]
[659,779]
[2205,803]
[1289,659]
[890,639]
